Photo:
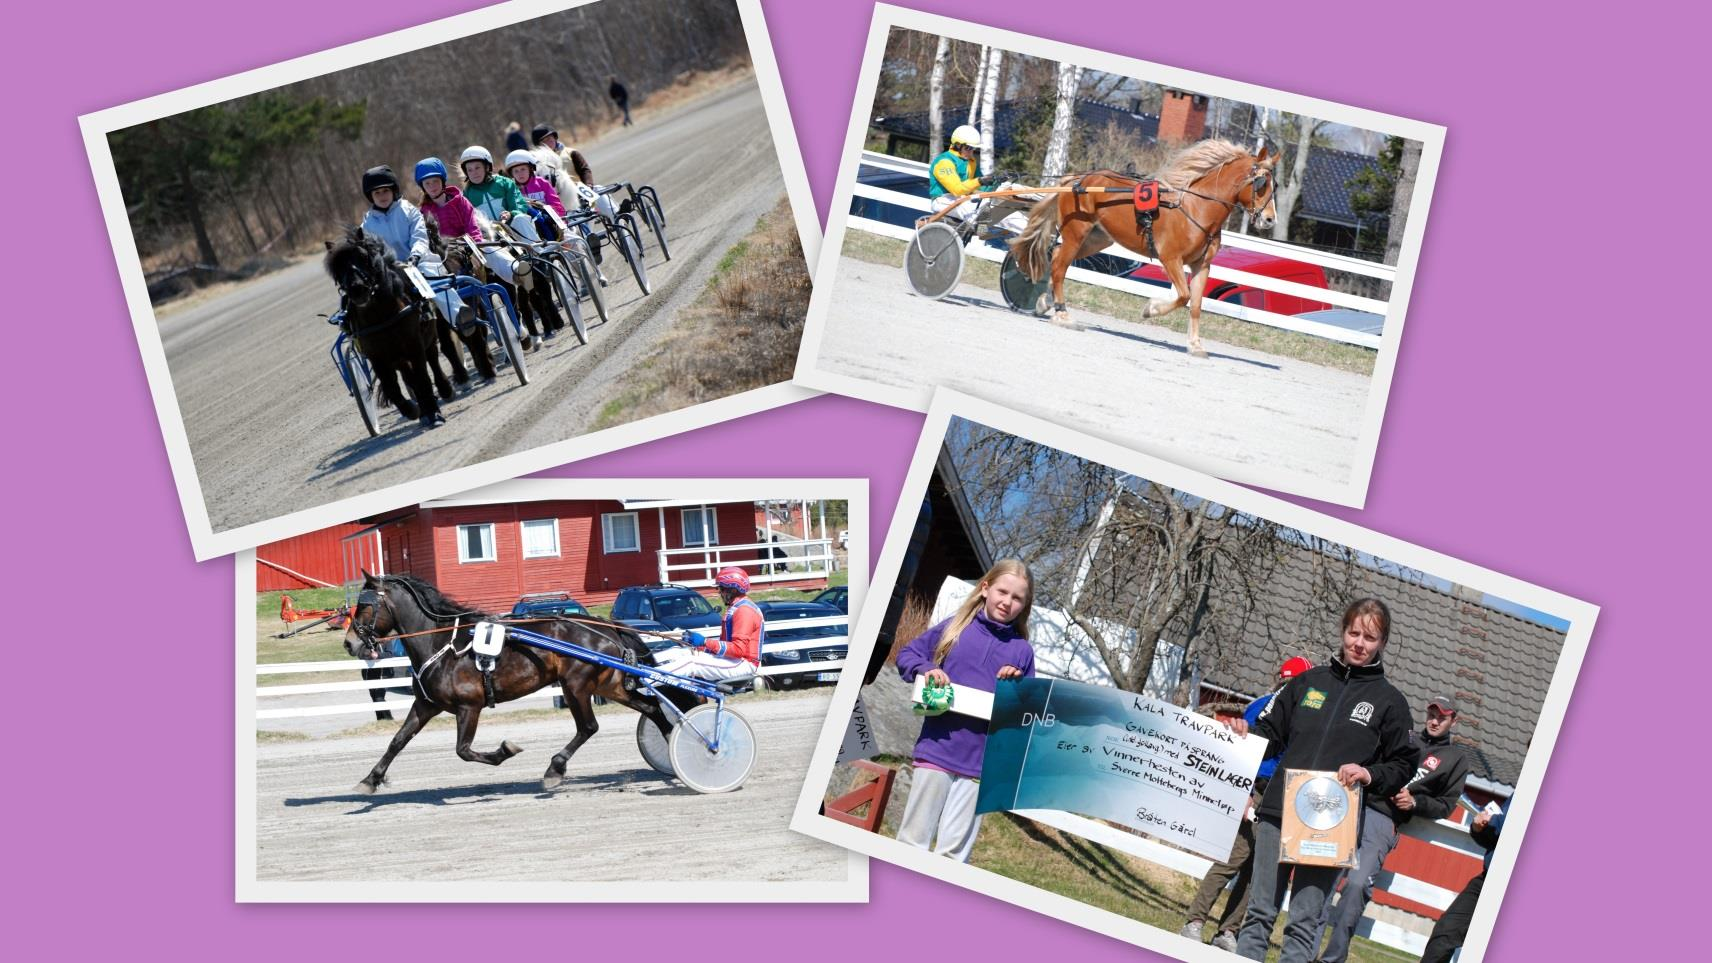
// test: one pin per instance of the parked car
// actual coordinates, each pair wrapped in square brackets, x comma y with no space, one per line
[779,615]
[672,606]
[1253,262]
[838,597]
[547,604]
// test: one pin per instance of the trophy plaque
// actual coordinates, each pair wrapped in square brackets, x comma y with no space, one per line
[1322,820]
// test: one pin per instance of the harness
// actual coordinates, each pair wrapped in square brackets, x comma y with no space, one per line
[1149,198]
[410,307]
[730,618]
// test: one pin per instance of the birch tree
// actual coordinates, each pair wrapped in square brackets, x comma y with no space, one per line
[980,84]
[1290,192]
[1400,197]
[989,93]
[936,99]
[1058,146]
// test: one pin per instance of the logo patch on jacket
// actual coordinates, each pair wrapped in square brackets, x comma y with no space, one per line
[1431,762]
[1315,699]
[1363,713]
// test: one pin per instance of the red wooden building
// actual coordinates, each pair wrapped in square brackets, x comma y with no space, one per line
[313,560]
[488,554]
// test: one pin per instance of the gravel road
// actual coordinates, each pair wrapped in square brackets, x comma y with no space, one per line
[441,818]
[1133,384]
[271,428]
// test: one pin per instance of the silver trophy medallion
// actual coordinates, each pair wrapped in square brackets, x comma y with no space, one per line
[1321,803]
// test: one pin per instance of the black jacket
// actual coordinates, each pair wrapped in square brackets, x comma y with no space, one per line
[1441,768]
[1334,714]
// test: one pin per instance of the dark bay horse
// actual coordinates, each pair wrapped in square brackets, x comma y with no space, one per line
[1200,187]
[395,332]
[436,633]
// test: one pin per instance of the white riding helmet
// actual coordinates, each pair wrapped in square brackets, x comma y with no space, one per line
[965,134]
[475,152]
[519,156]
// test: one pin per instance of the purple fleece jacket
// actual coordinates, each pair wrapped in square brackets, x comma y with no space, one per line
[952,741]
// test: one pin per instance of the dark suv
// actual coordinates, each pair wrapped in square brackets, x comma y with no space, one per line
[547,604]
[664,606]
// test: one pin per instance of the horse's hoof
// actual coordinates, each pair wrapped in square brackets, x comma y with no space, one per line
[528,342]
[552,780]
[510,748]
[1197,352]
[364,788]
[409,410]
[429,422]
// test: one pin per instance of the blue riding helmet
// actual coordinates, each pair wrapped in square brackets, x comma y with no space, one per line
[431,167]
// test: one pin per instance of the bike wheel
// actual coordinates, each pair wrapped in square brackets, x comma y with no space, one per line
[656,749]
[365,387]
[590,278]
[502,321]
[933,261]
[566,288]
[630,243]
[712,770]
[1022,293]
[656,222]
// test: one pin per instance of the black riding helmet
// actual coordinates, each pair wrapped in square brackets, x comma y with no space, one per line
[377,177]
[541,133]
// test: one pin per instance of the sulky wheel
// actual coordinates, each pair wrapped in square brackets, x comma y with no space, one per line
[565,288]
[1021,292]
[934,260]
[656,750]
[708,770]
[502,320]
[365,387]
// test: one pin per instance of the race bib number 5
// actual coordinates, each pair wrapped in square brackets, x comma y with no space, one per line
[1147,196]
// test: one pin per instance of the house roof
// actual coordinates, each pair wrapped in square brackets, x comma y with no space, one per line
[1497,666]
[1325,186]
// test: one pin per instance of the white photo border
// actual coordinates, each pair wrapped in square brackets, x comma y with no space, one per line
[207,543]
[949,404]
[249,889]
[1353,493]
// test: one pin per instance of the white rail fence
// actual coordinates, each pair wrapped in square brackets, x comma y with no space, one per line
[1333,262]
[406,681]
[802,558]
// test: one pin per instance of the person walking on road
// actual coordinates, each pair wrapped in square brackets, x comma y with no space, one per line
[621,97]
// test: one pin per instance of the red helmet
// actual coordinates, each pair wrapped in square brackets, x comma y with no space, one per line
[1294,667]
[733,578]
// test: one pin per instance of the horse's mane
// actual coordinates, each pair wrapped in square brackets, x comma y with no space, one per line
[1198,160]
[433,598]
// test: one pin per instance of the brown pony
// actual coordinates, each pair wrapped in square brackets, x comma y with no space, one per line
[1199,190]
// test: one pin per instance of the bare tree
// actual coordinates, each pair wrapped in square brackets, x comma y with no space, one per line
[989,95]
[1291,191]
[1400,196]
[1131,561]
[936,99]
[980,85]
[1058,146]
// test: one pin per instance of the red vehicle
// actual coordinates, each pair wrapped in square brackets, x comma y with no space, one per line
[1253,262]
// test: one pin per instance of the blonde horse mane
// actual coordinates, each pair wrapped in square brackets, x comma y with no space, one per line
[1197,161]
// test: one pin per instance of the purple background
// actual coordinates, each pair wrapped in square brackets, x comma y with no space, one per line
[1541,424]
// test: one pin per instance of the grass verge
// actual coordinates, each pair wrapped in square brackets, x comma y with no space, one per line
[742,334]
[878,249]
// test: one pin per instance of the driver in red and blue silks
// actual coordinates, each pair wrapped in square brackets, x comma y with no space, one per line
[736,654]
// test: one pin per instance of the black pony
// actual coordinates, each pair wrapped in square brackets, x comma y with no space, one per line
[436,633]
[394,330]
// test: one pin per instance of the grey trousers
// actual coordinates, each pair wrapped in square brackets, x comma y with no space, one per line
[1308,890]
[940,813]
[1378,839]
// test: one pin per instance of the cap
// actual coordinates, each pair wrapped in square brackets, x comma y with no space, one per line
[1445,703]
[1294,667]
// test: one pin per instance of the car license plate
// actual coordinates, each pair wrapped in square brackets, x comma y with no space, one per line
[826,677]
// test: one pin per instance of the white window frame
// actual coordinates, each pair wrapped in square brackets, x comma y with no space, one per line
[463,544]
[606,532]
[709,521]
[523,539]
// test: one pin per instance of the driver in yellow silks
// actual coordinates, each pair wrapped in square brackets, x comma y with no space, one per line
[954,174]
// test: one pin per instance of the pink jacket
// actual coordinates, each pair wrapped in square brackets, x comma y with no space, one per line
[540,189]
[455,215]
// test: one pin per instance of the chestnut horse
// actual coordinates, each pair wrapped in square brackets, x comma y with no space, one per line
[435,632]
[1199,189]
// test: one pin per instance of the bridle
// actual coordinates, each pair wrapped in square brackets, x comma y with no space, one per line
[355,267]
[374,598]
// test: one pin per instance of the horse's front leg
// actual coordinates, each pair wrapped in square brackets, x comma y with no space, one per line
[416,378]
[582,710]
[420,712]
[468,717]
[454,356]
[1197,286]
[387,375]
[1160,307]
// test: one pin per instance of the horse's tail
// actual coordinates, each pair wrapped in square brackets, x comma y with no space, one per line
[1035,241]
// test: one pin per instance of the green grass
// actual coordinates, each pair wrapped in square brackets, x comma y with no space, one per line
[879,249]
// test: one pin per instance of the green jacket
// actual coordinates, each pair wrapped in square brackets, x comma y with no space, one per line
[495,195]
[953,175]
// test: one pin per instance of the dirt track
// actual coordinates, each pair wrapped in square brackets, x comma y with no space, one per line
[272,429]
[614,818]
[1134,384]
